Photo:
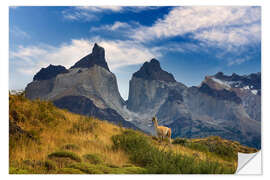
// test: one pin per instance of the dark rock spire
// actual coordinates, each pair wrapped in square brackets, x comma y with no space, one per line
[152,71]
[97,57]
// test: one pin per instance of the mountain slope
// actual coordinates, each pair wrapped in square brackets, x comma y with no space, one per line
[46,140]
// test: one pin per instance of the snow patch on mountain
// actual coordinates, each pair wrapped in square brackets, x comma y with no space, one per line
[254,92]
[224,83]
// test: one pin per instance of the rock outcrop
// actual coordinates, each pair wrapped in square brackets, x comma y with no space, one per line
[219,106]
[152,71]
[85,106]
[97,57]
[89,80]
[49,72]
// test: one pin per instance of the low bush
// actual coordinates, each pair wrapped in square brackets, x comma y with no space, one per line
[105,169]
[181,141]
[224,151]
[68,171]
[65,154]
[88,168]
[143,153]
[13,170]
[93,158]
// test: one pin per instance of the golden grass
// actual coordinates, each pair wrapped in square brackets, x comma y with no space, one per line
[54,133]
[52,138]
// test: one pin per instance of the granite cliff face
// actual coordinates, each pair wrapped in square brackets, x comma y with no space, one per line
[247,88]
[150,88]
[221,105]
[87,88]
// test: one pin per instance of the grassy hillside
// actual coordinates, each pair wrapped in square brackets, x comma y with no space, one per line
[44,139]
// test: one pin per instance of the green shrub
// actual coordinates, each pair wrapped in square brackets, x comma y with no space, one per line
[13,170]
[197,146]
[65,154]
[93,158]
[68,171]
[181,141]
[132,170]
[88,168]
[224,151]
[105,169]
[130,141]
[143,153]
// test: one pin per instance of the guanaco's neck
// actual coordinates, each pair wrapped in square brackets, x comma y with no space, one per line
[156,124]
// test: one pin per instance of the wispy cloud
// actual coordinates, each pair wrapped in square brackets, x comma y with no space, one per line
[112,27]
[100,8]
[90,13]
[19,33]
[118,54]
[75,15]
[227,28]
[198,20]
[231,36]
[238,61]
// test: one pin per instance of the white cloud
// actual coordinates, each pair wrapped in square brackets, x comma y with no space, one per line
[236,36]
[118,25]
[100,8]
[116,8]
[115,26]
[123,53]
[32,58]
[238,61]
[19,33]
[118,54]
[204,23]
[230,29]
[78,15]
[90,13]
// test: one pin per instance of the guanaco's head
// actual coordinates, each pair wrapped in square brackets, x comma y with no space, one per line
[154,119]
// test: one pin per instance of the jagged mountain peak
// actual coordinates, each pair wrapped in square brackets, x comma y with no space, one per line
[222,76]
[253,80]
[97,57]
[152,71]
[49,72]
[98,51]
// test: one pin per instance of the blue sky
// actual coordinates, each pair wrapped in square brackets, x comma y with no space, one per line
[190,42]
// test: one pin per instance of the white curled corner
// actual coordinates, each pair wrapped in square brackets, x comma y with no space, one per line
[249,163]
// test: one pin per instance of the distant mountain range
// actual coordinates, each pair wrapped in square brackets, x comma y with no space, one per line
[227,106]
